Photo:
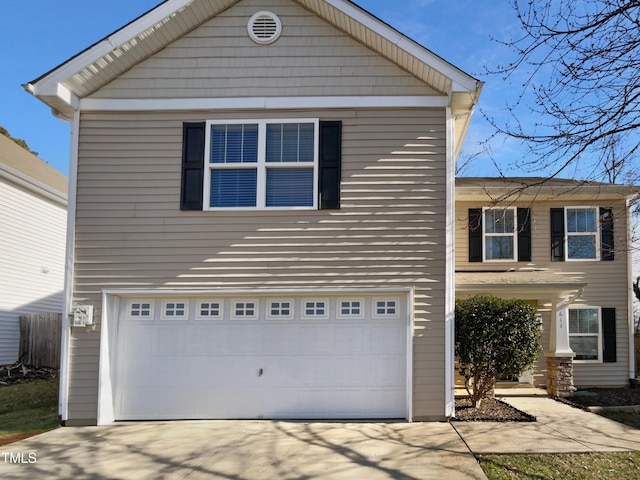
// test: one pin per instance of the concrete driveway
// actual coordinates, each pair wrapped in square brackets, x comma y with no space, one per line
[243,450]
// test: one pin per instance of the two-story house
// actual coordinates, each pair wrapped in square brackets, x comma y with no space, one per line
[262,218]
[260,194]
[563,245]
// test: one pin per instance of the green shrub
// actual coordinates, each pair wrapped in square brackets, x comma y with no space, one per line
[495,339]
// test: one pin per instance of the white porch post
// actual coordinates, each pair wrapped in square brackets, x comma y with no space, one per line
[559,341]
[559,356]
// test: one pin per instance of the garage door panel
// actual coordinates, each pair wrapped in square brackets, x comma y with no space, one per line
[136,338]
[351,339]
[316,339]
[245,338]
[298,367]
[388,338]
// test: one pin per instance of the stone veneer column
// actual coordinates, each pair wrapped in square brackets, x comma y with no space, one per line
[560,375]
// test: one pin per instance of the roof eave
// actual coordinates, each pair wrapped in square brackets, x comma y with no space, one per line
[54,89]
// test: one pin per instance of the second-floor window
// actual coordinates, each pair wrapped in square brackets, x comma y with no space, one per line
[582,233]
[500,239]
[499,234]
[262,164]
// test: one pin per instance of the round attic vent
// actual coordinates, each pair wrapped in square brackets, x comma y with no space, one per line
[264,28]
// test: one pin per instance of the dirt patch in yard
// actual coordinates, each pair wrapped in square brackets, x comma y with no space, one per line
[7,439]
[20,373]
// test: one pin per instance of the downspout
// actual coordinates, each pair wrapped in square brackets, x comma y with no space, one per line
[450,263]
[632,353]
[65,347]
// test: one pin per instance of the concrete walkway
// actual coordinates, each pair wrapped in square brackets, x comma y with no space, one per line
[258,450]
[559,428]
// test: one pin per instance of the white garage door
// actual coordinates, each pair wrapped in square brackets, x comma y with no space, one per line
[262,357]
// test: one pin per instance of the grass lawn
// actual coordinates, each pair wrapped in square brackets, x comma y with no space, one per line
[27,409]
[631,419]
[575,466]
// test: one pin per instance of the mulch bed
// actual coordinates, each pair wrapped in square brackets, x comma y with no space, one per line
[20,373]
[490,410]
[605,397]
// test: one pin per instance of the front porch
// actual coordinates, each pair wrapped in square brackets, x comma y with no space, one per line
[552,294]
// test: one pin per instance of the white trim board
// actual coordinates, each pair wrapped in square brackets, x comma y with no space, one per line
[260,103]
[111,300]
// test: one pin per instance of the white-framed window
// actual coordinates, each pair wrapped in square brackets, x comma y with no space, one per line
[387,308]
[175,310]
[499,234]
[210,310]
[280,309]
[140,309]
[585,337]
[351,308]
[261,164]
[314,308]
[244,310]
[582,233]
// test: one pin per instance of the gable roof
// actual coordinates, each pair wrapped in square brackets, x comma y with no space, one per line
[25,169]
[512,189]
[63,87]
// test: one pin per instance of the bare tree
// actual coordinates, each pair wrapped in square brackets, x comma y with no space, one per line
[580,61]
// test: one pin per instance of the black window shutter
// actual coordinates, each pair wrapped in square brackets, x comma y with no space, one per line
[475,234]
[606,234]
[330,164]
[557,234]
[192,166]
[524,234]
[609,335]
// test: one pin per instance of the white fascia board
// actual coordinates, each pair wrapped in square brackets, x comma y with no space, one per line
[459,78]
[159,292]
[260,103]
[107,45]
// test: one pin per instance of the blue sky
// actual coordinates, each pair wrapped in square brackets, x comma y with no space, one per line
[38,35]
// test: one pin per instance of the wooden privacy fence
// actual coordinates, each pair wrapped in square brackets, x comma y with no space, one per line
[40,339]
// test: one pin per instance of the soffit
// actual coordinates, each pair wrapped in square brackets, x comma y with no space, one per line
[520,189]
[528,283]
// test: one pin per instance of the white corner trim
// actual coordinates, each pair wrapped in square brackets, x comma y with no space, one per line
[628,249]
[261,103]
[450,280]
[65,346]
[410,329]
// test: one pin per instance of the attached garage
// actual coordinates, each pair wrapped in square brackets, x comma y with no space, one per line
[261,355]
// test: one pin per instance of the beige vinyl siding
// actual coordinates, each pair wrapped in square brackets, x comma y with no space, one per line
[607,281]
[218,59]
[32,235]
[389,231]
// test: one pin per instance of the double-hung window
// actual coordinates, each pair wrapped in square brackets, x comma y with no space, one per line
[261,164]
[499,233]
[584,333]
[582,233]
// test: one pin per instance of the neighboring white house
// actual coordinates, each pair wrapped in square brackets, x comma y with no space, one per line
[33,215]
